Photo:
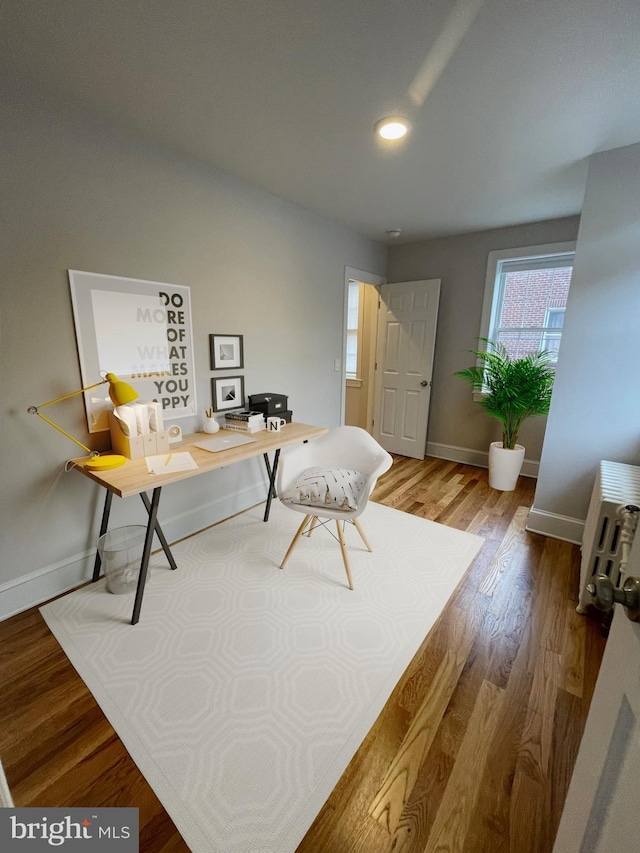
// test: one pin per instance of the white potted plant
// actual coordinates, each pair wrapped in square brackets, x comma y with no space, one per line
[512,389]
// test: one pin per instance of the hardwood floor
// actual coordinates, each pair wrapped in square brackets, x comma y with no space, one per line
[472,753]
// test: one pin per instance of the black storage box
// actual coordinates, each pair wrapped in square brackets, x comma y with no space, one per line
[269,404]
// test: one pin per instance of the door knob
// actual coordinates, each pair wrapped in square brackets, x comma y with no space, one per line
[605,595]
[424,383]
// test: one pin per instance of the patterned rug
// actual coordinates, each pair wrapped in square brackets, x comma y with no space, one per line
[244,690]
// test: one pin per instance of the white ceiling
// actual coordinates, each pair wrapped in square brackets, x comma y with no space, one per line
[507,97]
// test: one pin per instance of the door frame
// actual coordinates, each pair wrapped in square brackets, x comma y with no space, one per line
[350,273]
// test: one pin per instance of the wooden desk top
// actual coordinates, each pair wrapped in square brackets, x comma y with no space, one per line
[132,478]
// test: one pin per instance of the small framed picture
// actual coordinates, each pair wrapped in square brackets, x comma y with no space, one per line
[227,392]
[226,351]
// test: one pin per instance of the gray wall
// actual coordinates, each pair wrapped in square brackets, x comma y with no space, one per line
[77,194]
[455,420]
[595,411]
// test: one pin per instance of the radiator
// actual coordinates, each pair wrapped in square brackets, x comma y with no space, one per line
[616,486]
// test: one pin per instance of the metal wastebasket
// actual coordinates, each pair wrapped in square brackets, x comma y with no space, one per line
[120,551]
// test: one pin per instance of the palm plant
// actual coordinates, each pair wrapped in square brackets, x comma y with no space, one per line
[513,389]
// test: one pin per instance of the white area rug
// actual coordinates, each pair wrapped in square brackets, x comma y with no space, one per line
[244,690]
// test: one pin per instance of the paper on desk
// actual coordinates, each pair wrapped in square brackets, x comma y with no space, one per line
[169,463]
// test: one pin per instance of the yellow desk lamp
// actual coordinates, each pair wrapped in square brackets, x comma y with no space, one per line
[120,394]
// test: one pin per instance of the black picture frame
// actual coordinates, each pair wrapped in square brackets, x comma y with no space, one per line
[227,392]
[226,352]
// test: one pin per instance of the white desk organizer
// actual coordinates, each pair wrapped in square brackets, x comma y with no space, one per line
[136,446]
[616,486]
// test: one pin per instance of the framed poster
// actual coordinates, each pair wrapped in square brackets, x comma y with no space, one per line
[228,393]
[139,330]
[226,351]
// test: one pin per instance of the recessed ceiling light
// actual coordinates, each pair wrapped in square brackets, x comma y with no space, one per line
[392,127]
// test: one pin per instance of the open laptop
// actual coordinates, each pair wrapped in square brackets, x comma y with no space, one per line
[224,441]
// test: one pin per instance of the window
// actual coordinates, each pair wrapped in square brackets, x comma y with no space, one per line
[526,294]
[353,323]
[554,320]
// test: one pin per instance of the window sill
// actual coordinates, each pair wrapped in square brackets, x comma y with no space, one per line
[354,383]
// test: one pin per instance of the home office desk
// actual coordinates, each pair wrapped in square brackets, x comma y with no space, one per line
[132,478]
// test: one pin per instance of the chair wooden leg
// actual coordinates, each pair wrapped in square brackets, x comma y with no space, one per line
[362,534]
[345,556]
[294,541]
[314,521]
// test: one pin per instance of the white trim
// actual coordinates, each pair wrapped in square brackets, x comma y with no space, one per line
[493,258]
[555,526]
[43,584]
[479,458]
[546,523]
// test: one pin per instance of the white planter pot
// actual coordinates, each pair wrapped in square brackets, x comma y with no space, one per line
[504,466]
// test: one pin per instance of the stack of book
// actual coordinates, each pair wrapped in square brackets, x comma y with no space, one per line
[244,421]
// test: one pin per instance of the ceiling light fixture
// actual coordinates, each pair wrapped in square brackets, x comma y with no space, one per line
[392,127]
[394,233]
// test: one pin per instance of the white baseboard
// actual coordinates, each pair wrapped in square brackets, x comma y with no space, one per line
[555,526]
[539,521]
[52,580]
[480,458]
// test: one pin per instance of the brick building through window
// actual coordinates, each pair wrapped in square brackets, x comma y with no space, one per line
[526,294]
[533,307]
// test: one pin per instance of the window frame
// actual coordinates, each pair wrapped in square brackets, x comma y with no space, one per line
[355,379]
[492,290]
[548,335]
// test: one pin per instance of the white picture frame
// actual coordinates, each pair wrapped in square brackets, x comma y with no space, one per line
[141,331]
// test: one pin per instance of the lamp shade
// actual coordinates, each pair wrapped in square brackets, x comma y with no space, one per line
[119,391]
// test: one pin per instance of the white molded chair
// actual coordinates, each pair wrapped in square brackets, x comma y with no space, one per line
[348,448]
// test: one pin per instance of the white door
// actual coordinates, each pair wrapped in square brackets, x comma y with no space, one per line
[602,810]
[404,365]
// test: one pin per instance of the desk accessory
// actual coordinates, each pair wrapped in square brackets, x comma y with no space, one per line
[244,415]
[286,416]
[244,420]
[244,427]
[132,435]
[269,404]
[120,393]
[210,424]
[223,442]
[169,463]
[174,433]
[275,424]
